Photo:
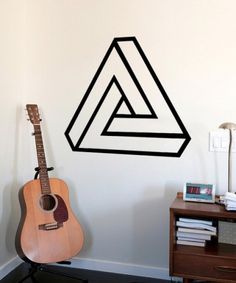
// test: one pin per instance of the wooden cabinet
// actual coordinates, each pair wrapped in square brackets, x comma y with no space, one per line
[216,261]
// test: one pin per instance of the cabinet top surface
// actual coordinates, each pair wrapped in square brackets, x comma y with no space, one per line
[197,208]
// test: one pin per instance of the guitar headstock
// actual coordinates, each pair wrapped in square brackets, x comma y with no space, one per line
[33,113]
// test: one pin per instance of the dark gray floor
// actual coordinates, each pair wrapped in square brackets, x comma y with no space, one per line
[92,276]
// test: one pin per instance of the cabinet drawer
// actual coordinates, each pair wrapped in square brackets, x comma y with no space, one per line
[199,266]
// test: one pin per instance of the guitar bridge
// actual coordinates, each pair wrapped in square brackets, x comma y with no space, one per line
[50,226]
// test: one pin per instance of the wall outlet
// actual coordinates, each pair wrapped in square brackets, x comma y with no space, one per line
[219,140]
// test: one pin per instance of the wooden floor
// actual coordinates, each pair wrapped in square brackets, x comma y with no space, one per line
[91,276]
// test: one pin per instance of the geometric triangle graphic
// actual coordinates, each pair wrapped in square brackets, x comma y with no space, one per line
[125,109]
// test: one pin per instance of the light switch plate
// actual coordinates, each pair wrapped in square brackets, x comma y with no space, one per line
[219,140]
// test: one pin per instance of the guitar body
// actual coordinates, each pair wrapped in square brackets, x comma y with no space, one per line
[48,233]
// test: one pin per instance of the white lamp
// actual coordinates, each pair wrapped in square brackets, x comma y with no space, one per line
[229,126]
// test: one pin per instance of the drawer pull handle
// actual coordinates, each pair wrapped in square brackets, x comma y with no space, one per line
[226,268]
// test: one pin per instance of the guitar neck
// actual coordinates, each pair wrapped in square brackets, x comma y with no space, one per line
[43,173]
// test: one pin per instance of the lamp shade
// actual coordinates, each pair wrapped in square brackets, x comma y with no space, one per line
[228,125]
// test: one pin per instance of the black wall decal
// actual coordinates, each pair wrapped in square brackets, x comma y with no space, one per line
[125,109]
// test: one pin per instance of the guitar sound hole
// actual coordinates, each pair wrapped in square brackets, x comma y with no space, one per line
[47,202]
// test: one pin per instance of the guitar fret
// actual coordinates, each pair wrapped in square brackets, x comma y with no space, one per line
[43,174]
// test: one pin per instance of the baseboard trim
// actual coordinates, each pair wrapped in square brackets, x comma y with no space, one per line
[122,268]
[100,265]
[9,266]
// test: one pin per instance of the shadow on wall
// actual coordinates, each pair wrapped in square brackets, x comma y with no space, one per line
[6,233]
[151,227]
[88,239]
[10,217]
[10,203]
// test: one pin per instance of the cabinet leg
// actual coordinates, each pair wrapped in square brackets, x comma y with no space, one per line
[186,280]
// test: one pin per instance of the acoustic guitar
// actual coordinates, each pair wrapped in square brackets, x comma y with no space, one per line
[49,231]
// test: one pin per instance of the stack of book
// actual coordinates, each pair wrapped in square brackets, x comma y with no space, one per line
[230,201]
[194,232]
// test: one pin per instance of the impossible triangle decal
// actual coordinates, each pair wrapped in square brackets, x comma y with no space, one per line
[125,109]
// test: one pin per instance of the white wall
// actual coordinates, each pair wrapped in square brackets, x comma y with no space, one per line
[122,201]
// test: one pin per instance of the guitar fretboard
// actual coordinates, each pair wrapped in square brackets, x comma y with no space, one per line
[43,173]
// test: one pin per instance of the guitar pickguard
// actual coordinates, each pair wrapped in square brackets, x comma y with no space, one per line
[60,213]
